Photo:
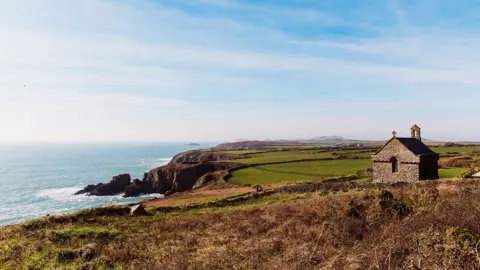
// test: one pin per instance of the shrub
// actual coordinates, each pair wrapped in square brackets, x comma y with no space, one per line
[457,162]
[391,205]
[463,236]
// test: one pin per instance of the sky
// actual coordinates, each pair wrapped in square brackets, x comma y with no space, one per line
[220,70]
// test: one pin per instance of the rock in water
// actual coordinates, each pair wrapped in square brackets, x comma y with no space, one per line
[117,185]
[133,191]
[138,188]
[87,189]
[138,210]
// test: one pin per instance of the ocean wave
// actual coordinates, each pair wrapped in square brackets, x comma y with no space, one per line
[67,195]
[61,194]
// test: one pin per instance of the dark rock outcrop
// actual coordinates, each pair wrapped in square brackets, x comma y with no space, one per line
[138,188]
[182,177]
[87,189]
[175,178]
[117,185]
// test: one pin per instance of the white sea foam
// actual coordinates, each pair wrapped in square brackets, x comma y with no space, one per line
[67,195]
[154,163]
[164,161]
[61,194]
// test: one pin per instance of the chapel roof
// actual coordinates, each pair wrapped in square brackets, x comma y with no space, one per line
[416,146]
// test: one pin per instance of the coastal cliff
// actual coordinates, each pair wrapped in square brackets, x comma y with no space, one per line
[181,174]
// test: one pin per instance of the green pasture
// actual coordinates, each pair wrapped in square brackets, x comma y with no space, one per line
[451,172]
[298,171]
[285,146]
[243,152]
[456,149]
[283,156]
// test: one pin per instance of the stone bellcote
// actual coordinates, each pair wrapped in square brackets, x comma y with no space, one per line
[416,132]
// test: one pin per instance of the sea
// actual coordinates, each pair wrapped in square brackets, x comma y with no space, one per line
[37,179]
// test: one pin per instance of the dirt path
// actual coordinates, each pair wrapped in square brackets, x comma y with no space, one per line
[197,196]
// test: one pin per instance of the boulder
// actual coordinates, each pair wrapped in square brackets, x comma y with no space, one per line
[168,193]
[138,210]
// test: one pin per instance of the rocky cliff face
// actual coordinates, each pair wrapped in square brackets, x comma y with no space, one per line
[179,177]
[181,174]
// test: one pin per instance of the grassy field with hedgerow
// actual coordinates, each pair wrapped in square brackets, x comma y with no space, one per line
[317,163]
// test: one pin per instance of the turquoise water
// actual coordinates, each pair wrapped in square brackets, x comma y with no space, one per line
[39,179]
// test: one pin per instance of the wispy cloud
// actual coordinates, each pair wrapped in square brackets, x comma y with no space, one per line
[193,56]
[298,14]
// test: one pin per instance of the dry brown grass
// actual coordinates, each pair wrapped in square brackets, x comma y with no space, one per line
[348,229]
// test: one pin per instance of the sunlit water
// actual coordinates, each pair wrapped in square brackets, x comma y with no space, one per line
[40,179]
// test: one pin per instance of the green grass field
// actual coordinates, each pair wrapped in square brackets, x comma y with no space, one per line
[298,155]
[456,149]
[302,171]
[451,173]
[283,156]
[299,171]
[355,153]
[242,152]
[294,146]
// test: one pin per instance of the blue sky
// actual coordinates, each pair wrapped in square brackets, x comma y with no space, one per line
[217,70]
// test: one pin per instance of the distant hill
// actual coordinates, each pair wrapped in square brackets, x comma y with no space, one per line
[331,138]
[254,144]
[338,140]
[324,140]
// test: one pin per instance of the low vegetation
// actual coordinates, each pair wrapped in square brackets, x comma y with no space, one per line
[456,162]
[431,225]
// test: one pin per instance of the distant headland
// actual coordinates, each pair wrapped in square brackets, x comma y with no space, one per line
[192,144]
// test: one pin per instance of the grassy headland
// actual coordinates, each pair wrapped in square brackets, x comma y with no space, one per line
[323,220]
[307,226]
